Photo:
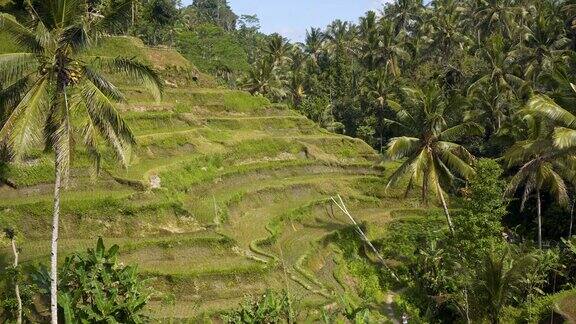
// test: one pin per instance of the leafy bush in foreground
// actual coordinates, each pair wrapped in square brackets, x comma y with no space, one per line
[272,307]
[95,288]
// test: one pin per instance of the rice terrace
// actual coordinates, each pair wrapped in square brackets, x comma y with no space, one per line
[168,161]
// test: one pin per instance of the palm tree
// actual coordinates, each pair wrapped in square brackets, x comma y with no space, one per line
[314,44]
[495,89]
[403,14]
[540,171]
[430,155]
[446,32]
[61,91]
[296,80]
[491,108]
[264,79]
[491,15]
[544,45]
[338,37]
[544,158]
[501,72]
[548,156]
[378,89]
[499,278]
[392,48]
[279,48]
[369,40]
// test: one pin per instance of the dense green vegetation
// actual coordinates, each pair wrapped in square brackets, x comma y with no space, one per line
[439,84]
[457,164]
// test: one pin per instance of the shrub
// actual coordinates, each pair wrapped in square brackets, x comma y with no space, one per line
[272,307]
[95,288]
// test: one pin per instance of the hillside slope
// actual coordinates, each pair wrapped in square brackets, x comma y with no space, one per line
[227,195]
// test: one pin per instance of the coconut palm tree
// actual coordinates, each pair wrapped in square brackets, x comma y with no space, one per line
[404,13]
[502,70]
[369,40]
[429,154]
[279,48]
[264,79]
[544,45]
[543,164]
[338,37]
[499,278]
[446,32]
[378,88]
[314,44]
[491,15]
[62,93]
[392,48]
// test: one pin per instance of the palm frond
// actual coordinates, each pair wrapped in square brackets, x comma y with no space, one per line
[12,95]
[400,147]
[519,178]
[405,168]
[414,94]
[523,151]
[62,139]
[564,137]
[90,139]
[530,185]
[14,66]
[107,120]
[557,187]
[453,162]
[23,127]
[76,37]
[424,161]
[105,86]
[476,85]
[441,174]
[544,106]
[23,36]
[118,13]
[61,13]
[462,130]
[139,72]
[402,114]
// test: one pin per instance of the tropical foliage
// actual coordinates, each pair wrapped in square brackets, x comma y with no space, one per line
[55,95]
[96,288]
[471,104]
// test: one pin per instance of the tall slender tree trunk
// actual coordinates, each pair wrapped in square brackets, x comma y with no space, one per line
[133,13]
[445,206]
[571,218]
[382,129]
[54,246]
[539,212]
[16,286]
[425,190]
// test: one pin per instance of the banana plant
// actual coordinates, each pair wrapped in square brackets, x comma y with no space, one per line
[96,288]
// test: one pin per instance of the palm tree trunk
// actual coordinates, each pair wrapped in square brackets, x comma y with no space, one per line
[133,7]
[445,206]
[539,211]
[425,190]
[571,218]
[54,247]
[16,286]
[382,129]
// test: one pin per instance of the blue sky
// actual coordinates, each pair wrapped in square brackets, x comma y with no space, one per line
[291,18]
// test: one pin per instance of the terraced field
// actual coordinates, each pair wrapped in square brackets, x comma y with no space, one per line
[227,195]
